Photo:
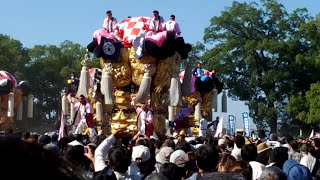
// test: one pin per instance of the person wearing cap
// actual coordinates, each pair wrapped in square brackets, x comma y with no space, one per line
[263,153]
[179,158]
[172,25]
[84,117]
[163,157]
[157,23]
[110,22]
[140,157]
[223,146]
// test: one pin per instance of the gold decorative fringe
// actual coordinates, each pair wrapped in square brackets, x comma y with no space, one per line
[121,74]
[138,66]
[206,103]
[137,77]
[192,99]
[164,72]
[122,120]
[123,99]
[160,101]
[131,54]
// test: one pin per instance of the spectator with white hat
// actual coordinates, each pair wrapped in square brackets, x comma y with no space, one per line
[140,156]
[163,157]
[179,157]
[222,145]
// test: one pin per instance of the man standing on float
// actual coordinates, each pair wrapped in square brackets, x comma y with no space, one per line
[109,23]
[84,117]
[144,120]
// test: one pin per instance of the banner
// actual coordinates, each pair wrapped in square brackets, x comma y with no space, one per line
[246,124]
[231,125]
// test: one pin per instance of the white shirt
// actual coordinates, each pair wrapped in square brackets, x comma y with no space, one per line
[173,26]
[203,127]
[101,152]
[157,25]
[236,153]
[203,124]
[308,161]
[110,24]
[142,123]
[82,111]
[273,144]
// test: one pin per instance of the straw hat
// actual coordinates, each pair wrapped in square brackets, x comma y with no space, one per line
[262,147]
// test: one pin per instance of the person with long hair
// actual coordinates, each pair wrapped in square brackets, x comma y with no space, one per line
[225,162]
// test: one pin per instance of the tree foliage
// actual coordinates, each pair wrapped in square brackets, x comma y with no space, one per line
[13,56]
[47,69]
[254,52]
[304,105]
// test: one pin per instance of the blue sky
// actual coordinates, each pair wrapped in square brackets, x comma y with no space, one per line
[36,22]
[42,22]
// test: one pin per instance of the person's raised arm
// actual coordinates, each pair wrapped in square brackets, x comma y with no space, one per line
[133,102]
[102,150]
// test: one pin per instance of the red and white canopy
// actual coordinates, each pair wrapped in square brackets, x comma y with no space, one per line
[6,75]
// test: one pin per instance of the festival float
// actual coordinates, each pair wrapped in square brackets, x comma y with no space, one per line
[11,100]
[137,64]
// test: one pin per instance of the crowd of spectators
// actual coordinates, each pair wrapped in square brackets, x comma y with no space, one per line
[123,156]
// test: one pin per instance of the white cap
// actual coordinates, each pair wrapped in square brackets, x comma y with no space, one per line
[75,143]
[163,155]
[140,152]
[179,158]
[221,142]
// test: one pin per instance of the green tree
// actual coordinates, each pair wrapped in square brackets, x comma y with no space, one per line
[254,52]
[195,55]
[13,57]
[304,104]
[49,70]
